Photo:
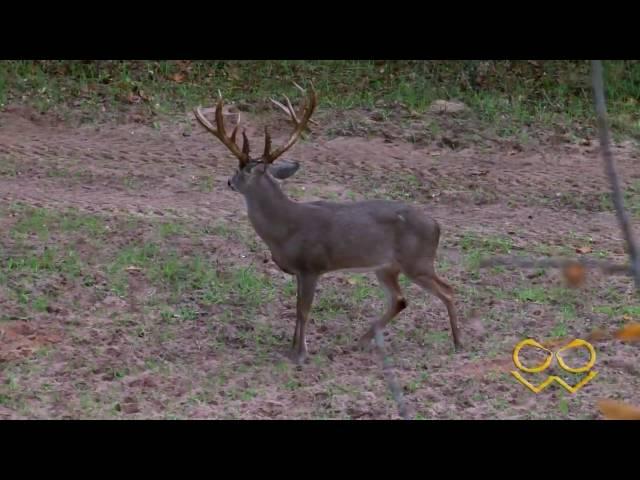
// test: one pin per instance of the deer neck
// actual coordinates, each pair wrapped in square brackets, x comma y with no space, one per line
[270,212]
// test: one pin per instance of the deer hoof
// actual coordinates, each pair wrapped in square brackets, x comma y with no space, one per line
[298,358]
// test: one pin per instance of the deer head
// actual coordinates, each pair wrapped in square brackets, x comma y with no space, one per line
[255,172]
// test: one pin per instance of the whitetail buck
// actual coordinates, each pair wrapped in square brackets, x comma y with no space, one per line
[313,238]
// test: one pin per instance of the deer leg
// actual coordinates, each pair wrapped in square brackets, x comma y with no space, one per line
[388,279]
[306,291]
[441,289]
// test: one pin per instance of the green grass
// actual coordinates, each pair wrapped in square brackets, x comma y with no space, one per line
[508,95]
[329,304]
[618,310]
[478,247]
[40,221]
[564,297]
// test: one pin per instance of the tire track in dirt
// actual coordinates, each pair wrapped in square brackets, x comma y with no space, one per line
[87,168]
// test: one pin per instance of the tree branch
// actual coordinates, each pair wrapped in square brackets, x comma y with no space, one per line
[616,192]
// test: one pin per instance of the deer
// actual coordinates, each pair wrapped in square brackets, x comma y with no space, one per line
[310,239]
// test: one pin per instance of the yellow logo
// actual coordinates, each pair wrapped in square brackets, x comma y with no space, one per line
[547,362]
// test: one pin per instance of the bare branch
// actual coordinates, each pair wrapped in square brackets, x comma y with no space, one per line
[387,370]
[616,192]
[602,265]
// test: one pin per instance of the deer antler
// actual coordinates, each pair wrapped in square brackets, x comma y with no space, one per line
[219,132]
[300,125]
[288,110]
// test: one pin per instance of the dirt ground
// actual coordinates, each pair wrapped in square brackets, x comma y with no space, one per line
[114,340]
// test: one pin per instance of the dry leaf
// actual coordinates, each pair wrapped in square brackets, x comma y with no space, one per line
[585,249]
[178,77]
[555,343]
[629,333]
[574,274]
[597,335]
[614,410]
[133,98]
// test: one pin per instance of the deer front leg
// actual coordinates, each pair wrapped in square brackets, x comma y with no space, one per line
[306,291]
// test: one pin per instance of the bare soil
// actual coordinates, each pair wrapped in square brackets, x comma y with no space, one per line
[97,353]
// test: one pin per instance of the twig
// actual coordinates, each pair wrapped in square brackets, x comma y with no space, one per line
[387,370]
[616,193]
[603,265]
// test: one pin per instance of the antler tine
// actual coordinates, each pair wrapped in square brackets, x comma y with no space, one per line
[235,130]
[300,126]
[220,119]
[281,106]
[311,120]
[289,110]
[245,144]
[267,145]
[292,112]
[219,131]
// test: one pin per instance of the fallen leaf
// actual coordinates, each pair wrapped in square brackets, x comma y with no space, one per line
[178,77]
[133,98]
[629,333]
[614,410]
[574,274]
[585,249]
[597,334]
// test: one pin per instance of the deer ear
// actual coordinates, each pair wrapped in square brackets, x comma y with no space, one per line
[283,169]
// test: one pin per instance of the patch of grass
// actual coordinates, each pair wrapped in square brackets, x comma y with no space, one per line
[631,198]
[219,229]
[362,289]
[568,311]
[404,186]
[476,248]
[436,337]
[329,304]
[618,310]
[513,96]
[552,250]
[168,229]
[8,166]
[205,183]
[563,406]
[251,288]
[50,260]
[555,295]
[531,294]
[41,222]
[559,330]
[40,304]
[488,243]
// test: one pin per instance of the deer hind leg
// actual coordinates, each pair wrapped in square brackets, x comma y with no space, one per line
[306,291]
[388,278]
[428,280]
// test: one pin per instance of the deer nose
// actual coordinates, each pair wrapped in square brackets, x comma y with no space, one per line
[229,183]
